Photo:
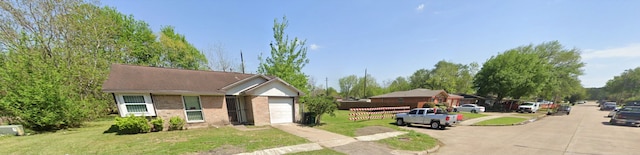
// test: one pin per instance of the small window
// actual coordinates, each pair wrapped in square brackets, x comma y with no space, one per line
[135,104]
[413,112]
[193,108]
[420,112]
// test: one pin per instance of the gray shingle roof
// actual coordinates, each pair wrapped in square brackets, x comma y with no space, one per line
[129,78]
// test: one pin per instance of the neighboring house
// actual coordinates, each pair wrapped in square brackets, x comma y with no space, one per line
[454,100]
[202,98]
[471,99]
[416,96]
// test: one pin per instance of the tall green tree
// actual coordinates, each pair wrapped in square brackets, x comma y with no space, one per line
[287,58]
[399,84]
[448,76]
[566,66]
[625,86]
[68,46]
[178,53]
[419,79]
[346,85]
[513,73]
[367,87]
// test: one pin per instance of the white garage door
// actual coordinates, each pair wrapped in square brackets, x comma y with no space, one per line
[281,110]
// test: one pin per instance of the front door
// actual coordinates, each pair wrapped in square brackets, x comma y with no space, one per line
[232,109]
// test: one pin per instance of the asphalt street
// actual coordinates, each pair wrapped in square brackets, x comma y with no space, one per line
[584,132]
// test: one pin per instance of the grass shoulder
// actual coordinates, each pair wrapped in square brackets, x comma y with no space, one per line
[468,115]
[95,138]
[412,141]
[501,121]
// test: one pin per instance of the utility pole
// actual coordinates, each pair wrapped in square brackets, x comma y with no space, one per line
[326,85]
[242,61]
[364,93]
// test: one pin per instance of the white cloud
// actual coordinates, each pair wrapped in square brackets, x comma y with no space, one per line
[629,51]
[314,47]
[420,7]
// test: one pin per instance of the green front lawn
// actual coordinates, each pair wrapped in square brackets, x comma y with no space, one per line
[411,141]
[502,121]
[95,138]
[468,115]
[342,125]
[318,152]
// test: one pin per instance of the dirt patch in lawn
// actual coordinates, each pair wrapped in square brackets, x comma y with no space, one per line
[370,130]
[224,149]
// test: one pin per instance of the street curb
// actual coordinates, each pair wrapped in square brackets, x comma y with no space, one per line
[405,152]
[521,123]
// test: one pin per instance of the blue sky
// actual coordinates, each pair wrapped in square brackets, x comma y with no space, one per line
[396,38]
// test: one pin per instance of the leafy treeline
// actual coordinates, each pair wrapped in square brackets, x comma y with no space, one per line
[452,77]
[624,87]
[55,54]
[547,71]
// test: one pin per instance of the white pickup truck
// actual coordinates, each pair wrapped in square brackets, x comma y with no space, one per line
[530,107]
[437,118]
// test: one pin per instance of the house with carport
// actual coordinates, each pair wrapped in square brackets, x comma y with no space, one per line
[202,98]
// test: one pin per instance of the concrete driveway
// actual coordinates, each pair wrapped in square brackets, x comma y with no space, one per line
[585,131]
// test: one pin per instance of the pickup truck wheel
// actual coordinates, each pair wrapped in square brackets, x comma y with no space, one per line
[435,125]
[474,111]
[400,122]
[455,110]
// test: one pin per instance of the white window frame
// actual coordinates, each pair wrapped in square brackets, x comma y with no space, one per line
[122,106]
[184,105]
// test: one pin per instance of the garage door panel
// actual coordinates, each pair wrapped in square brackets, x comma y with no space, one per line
[281,110]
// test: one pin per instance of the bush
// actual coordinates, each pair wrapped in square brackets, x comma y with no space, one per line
[158,124]
[429,105]
[132,125]
[176,123]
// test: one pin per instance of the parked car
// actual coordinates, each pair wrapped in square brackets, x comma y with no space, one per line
[474,108]
[608,106]
[631,118]
[625,108]
[632,103]
[437,118]
[530,107]
[562,110]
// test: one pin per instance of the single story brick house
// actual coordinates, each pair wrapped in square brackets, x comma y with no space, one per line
[202,98]
[417,96]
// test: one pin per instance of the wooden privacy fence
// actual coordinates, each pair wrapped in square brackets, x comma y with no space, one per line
[376,113]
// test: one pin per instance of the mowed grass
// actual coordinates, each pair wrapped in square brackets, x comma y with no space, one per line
[91,139]
[539,113]
[318,152]
[411,141]
[342,125]
[468,115]
[502,121]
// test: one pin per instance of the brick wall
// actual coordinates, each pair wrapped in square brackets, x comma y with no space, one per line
[260,110]
[214,109]
[248,109]
[168,106]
